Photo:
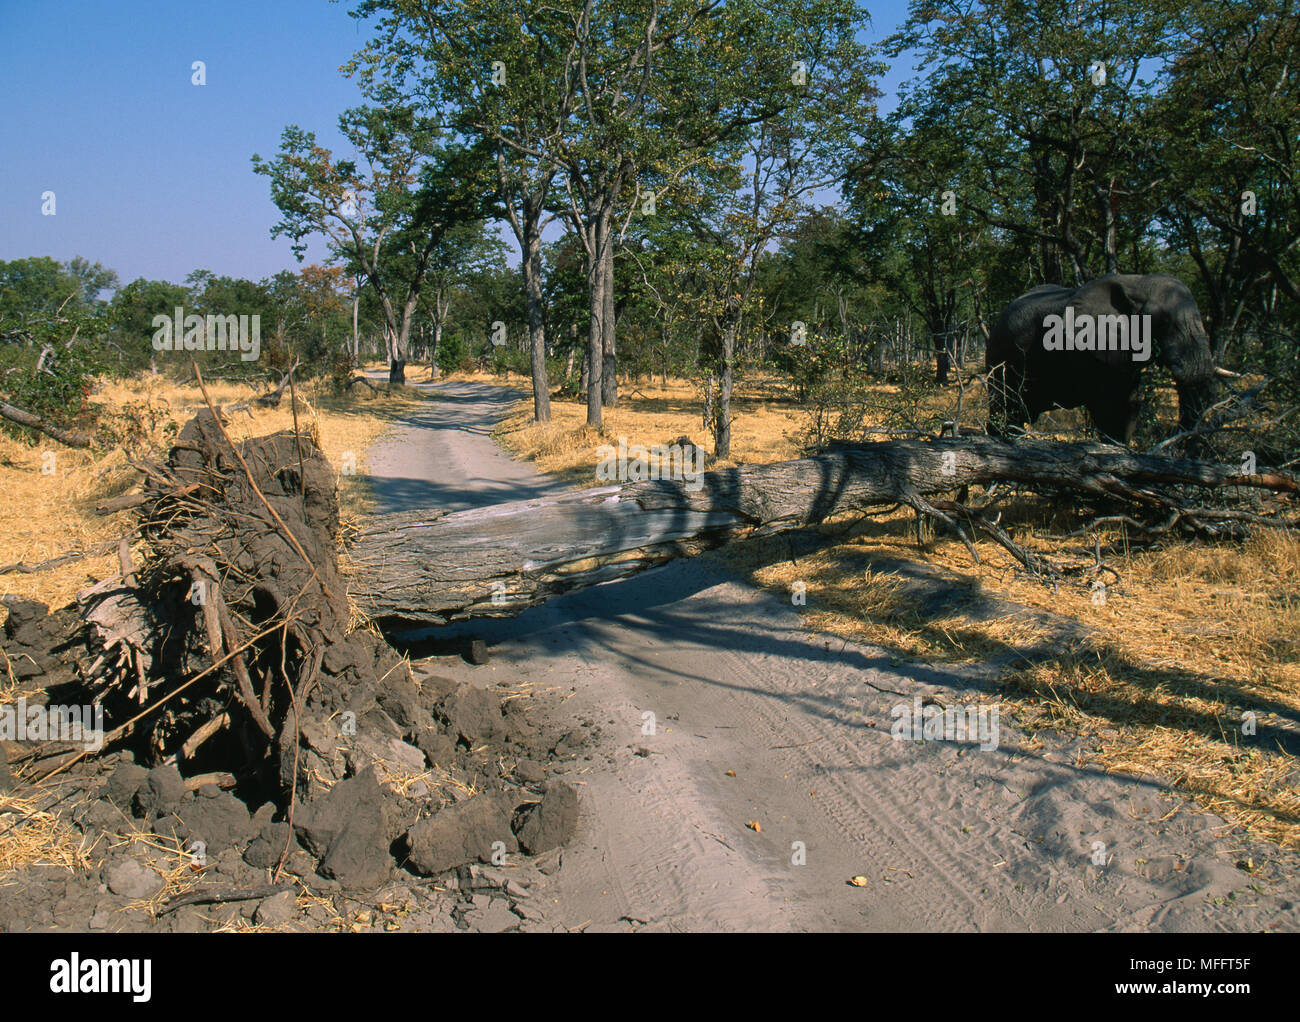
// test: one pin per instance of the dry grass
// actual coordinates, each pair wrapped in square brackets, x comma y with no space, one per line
[649,414]
[178,866]
[181,873]
[1191,641]
[31,836]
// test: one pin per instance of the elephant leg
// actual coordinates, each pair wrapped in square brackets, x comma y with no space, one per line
[1193,399]
[1019,412]
[1134,412]
[1115,416]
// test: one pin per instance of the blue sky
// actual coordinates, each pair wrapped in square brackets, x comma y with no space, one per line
[150,172]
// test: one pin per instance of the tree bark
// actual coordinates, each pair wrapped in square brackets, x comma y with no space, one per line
[942,354]
[434,567]
[356,336]
[532,266]
[609,346]
[437,342]
[599,241]
[525,204]
[726,380]
[33,421]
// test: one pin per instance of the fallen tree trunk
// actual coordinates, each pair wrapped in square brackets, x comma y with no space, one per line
[33,421]
[431,567]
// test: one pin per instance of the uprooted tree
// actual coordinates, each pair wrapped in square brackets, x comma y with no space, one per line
[226,660]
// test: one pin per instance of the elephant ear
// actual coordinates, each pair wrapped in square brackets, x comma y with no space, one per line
[1117,294]
[1121,294]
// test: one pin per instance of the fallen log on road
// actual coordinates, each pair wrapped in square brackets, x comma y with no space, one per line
[432,567]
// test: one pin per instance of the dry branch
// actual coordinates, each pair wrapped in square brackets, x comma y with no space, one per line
[129,500]
[271,399]
[57,562]
[221,894]
[34,421]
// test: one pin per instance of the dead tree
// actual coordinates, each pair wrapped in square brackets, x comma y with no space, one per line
[435,567]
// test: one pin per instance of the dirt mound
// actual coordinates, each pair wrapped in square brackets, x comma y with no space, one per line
[245,725]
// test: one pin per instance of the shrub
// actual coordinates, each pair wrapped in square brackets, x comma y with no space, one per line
[450,354]
[504,360]
[340,371]
[59,392]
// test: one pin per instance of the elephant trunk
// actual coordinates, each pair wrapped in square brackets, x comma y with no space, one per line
[1194,397]
[1192,365]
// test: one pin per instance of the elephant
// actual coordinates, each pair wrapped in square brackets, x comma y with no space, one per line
[1065,347]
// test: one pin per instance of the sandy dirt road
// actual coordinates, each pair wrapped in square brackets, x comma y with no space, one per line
[949,836]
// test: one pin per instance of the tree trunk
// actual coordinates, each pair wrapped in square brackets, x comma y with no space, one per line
[356,337]
[435,567]
[609,364]
[726,378]
[532,267]
[942,352]
[599,241]
[402,340]
[34,421]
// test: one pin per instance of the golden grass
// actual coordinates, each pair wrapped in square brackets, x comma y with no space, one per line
[30,836]
[177,865]
[1192,640]
[181,873]
[649,414]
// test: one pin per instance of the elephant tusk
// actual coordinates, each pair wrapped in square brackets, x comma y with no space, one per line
[1227,374]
